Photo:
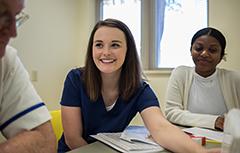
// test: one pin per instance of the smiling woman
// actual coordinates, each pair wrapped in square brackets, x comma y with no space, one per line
[207,50]
[109,49]
[110,89]
[111,81]
[201,95]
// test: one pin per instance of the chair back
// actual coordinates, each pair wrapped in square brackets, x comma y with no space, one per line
[57,123]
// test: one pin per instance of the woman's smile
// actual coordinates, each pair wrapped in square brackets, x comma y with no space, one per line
[107,61]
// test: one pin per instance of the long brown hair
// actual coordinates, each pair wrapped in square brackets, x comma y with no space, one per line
[131,73]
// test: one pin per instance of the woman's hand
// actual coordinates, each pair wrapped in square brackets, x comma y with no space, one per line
[219,123]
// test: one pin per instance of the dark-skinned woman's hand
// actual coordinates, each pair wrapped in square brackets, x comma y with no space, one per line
[219,123]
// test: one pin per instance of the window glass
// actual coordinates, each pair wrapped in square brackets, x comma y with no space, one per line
[128,11]
[181,20]
[175,22]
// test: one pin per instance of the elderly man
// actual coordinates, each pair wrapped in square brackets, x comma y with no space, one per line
[24,119]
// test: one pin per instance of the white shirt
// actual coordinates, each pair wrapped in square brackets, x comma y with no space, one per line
[177,96]
[205,96]
[20,106]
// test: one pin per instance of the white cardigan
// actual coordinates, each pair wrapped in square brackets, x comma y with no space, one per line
[178,92]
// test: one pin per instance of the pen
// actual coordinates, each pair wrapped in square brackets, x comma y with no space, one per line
[213,141]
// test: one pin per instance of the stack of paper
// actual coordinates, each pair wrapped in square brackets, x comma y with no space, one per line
[130,141]
[210,134]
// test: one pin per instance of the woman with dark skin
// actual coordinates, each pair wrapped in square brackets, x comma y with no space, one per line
[201,95]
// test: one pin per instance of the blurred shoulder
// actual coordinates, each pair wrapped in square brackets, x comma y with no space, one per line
[75,75]
[10,54]
[76,71]
[10,61]
[182,70]
[231,74]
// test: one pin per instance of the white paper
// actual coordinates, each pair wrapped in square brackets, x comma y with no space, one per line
[137,133]
[114,140]
[210,134]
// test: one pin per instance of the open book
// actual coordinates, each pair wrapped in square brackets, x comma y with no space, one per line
[130,141]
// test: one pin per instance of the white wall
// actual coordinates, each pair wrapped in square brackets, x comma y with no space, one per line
[225,15]
[54,40]
[51,43]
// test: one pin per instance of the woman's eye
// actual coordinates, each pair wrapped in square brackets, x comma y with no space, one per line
[115,45]
[212,50]
[98,45]
[198,49]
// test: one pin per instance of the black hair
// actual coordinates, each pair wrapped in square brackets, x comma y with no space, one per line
[214,33]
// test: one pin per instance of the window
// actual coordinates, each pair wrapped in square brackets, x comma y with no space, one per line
[111,9]
[162,28]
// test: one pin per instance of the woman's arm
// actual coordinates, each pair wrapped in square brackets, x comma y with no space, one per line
[168,135]
[72,126]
